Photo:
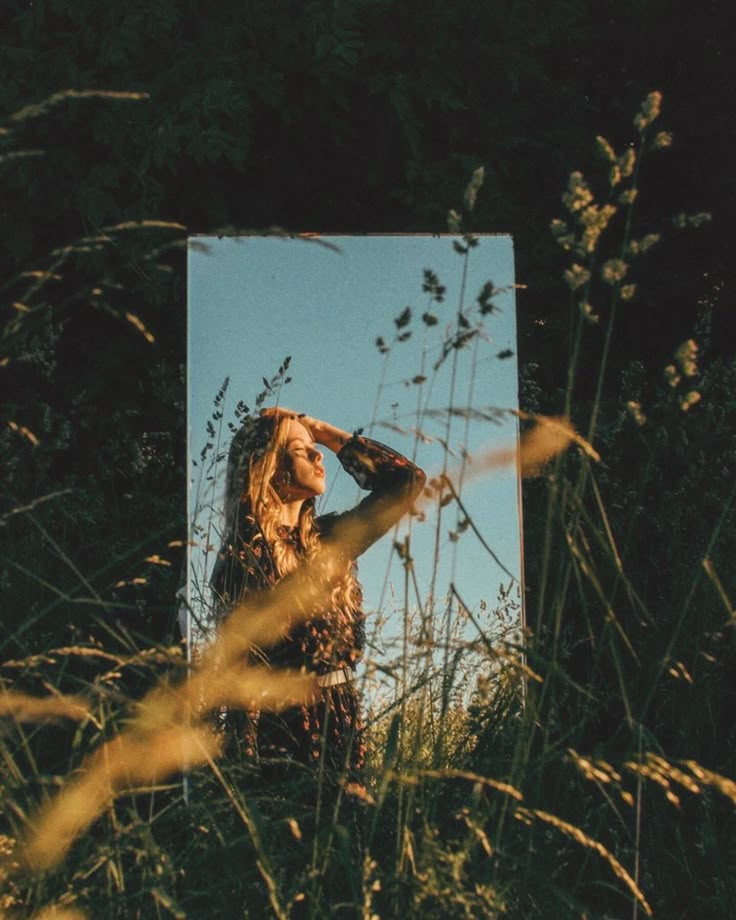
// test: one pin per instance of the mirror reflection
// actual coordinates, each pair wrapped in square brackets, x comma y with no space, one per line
[410,343]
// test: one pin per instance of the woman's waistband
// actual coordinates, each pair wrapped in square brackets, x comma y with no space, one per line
[335,678]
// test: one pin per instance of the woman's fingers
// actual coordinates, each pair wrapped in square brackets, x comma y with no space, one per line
[320,431]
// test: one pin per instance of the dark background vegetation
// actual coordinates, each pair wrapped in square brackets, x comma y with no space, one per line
[358,116]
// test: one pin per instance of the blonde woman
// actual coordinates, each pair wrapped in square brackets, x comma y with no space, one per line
[275,474]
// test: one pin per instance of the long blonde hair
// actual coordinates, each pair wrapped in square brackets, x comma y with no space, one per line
[258,456]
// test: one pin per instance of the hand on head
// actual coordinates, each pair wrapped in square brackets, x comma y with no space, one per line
[280,412]
[322,432]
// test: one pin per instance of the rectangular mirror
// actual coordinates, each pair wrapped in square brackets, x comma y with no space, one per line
[411,340]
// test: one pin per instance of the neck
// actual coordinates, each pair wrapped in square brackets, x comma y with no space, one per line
[290,512]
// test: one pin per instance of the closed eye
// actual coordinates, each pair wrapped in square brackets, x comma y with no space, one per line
[302,447]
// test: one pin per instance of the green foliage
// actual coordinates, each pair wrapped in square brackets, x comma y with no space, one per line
[627,561]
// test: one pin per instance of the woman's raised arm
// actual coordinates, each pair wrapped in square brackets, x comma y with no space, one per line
[394,483]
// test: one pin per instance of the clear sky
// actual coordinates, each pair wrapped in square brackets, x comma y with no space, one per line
[253,301]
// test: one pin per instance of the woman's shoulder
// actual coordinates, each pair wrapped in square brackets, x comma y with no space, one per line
[324,523]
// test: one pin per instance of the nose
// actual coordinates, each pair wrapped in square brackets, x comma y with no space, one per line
[315,455]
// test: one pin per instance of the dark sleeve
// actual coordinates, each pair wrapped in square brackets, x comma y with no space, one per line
[394,483]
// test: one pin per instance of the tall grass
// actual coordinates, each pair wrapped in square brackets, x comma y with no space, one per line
[556,776]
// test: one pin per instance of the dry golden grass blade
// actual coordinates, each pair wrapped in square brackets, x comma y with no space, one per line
[579,836]
[55,912]
[540,444]
[548,438]
[449,773]
[143,224]
[150,657]
[718,585]
[122,764]
[684,779]
[40,108]
[656,774]
[236,685]
[140,326]
[22,509]
[723,784]
[597,770]
[25,708]
[254,688]
[54,654]
[23,431]
[660,771]
[604,775]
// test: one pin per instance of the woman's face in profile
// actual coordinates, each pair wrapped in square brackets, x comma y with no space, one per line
[302,461]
